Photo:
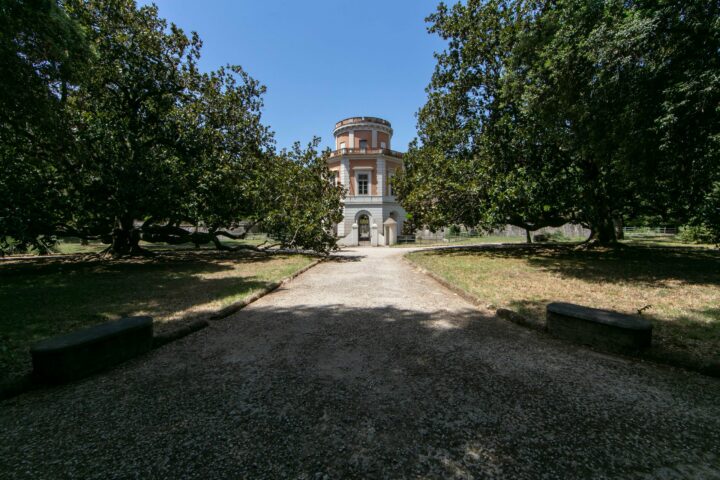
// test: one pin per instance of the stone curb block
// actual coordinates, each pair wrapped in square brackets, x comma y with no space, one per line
[81,353]
[711,369]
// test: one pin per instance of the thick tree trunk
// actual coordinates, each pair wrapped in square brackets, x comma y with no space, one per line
[125,239]
[528,236]
[619,224]
[603,232]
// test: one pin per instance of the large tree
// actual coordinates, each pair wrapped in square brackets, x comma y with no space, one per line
[571,110]
[123,115]
[171,154]
[137,143]
[42,53]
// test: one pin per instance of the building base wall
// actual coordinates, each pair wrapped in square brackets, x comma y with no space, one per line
[377,212]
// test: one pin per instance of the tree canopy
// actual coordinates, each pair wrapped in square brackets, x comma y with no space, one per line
[110,131]
[544,112]
[42,51]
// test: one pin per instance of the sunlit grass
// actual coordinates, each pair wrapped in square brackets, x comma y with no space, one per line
[678,288]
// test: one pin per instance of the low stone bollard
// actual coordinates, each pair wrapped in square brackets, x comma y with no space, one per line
[604,329]
[81,353]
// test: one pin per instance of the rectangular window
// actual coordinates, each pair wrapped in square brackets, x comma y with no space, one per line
[342,145]
[391,190]
[363,180]
[382,145]
[363,144]
[333,178]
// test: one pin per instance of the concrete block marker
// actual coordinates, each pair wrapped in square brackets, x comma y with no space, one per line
[81,353]
[603,329]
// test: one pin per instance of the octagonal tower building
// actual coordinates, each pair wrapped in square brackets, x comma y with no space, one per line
[364,163]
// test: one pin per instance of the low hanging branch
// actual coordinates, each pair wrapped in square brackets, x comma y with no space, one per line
[176,235]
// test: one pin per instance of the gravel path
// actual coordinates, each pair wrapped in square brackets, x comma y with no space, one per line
[364,368]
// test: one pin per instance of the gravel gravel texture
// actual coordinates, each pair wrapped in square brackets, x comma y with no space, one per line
[365,368]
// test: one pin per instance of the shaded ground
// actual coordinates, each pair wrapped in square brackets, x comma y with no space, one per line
[677,288]
[43,297]
[364,368]
[73,245]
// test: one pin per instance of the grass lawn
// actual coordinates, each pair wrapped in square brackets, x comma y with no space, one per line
[43,297]
[680,285]
[455,241]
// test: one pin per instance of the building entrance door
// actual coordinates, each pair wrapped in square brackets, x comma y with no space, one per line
[363,227]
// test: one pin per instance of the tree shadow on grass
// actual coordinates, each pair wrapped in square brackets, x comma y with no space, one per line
[52,298]
[650,265]
[694,337]
[77,263]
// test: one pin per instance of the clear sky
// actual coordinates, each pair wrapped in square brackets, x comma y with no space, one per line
[320,60]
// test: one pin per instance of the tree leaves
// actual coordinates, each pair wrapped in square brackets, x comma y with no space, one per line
[540,112]
[137,143]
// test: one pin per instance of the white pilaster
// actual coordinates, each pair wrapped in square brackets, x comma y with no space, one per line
[345,172]
[374,139]
[351,139]
[381,176]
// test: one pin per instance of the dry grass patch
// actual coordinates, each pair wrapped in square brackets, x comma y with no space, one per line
[677,288]
[43,297]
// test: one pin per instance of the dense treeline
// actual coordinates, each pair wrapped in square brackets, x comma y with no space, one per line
[109,131]
[542,112]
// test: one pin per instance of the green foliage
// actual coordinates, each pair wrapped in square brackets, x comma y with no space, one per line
[557,236]
[540,113]
[304,203]
[42,51]
[695,234]
[710,213]
[137,143]
[124,112]
[705,226]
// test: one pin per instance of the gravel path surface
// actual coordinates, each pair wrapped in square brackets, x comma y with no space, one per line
[364,368]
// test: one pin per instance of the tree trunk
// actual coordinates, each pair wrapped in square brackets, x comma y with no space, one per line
[603,232]
[619,224]
[528,237]
[125,239]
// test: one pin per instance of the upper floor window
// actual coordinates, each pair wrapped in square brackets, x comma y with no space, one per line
[363,144]
[333,178]
[363,181]
[383,145]
[342,145]
[391,190]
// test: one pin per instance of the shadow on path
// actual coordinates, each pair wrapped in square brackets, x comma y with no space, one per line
[376,392]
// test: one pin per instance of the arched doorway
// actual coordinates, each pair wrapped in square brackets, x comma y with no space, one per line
[363,227]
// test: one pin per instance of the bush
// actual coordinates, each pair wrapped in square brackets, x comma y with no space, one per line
[454,230]
[556,237]
[696,234]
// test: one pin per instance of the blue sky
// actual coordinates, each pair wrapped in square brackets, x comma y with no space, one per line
[321,61]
